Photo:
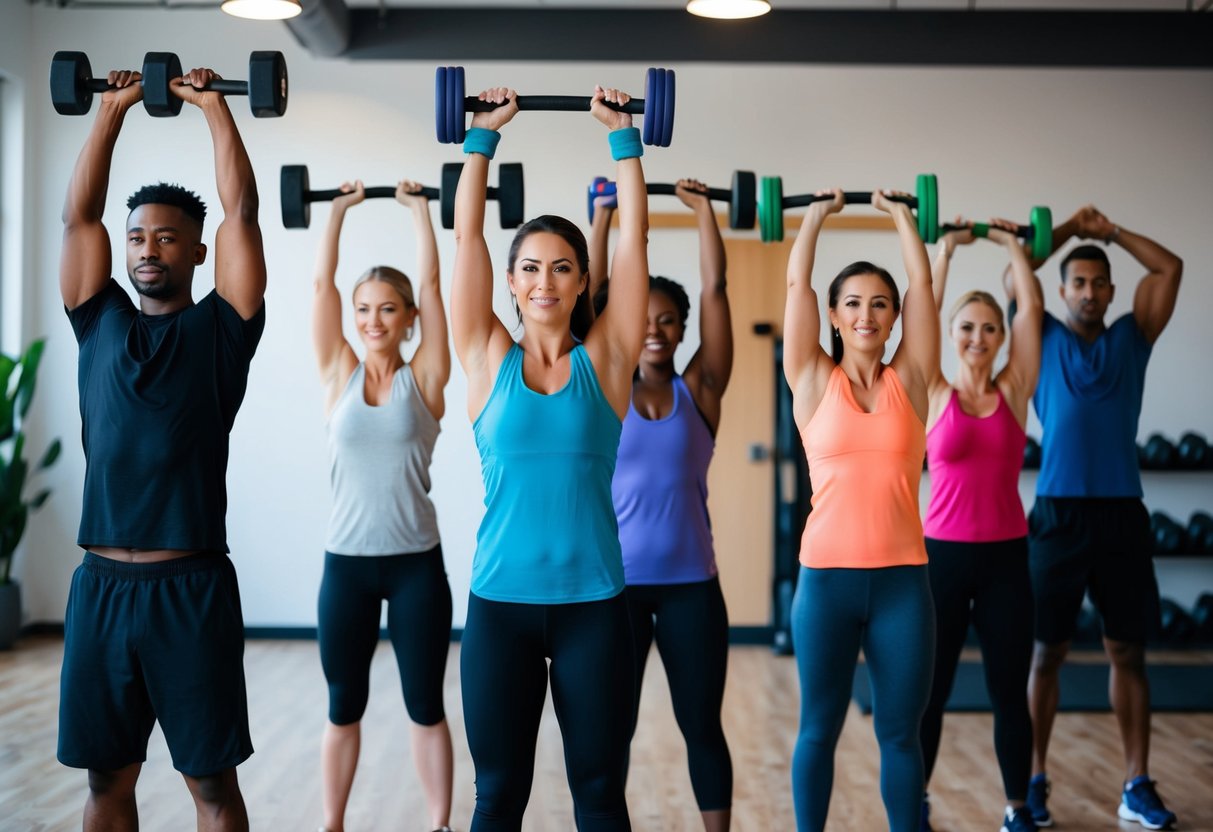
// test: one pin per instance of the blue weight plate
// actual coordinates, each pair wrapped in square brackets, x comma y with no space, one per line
[440,105]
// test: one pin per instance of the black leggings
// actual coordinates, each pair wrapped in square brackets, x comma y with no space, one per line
[503,664]
[988,583]
[691,626]
[418,621]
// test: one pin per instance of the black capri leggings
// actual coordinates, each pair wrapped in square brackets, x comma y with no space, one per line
[418,621]
[503,664]
[988,583]
[691,627]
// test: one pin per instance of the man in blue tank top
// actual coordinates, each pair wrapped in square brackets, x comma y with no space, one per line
[153,630]
[1089,531]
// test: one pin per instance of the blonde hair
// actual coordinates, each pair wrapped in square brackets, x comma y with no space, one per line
[977,296]
[395,278]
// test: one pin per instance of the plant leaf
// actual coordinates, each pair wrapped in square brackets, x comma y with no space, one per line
[40,498]
[29,375]
[50,455]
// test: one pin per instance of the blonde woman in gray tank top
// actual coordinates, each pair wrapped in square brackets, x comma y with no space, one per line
[382,418]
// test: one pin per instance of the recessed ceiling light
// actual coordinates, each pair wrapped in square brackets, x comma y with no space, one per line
[262,9]
[728,9]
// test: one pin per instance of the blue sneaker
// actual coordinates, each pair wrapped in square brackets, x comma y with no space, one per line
[1140,802]
[1018,820]
[924,819]
[1038,793]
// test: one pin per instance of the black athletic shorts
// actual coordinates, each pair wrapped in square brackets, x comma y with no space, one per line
[156,641]
[1099,546]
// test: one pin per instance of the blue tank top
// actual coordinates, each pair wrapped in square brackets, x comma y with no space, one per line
[549,534]
[661,495]
[1089,401]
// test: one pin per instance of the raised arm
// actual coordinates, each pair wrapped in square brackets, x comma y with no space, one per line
[239,256]
[943,259]
[432,361]
[708,372]
[617,336]
[334,356]
[1018,379]
[806,366]
[84,266]
[918,352]
[1154,298]
[481,340]
[600,235]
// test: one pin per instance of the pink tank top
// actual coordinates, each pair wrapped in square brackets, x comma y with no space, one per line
[865,469]
[974,464]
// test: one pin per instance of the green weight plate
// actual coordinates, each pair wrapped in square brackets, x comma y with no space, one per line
[777,209]
[1042,232]
[764,210]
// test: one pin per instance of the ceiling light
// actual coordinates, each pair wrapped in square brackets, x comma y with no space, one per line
[262,9]
[728,9]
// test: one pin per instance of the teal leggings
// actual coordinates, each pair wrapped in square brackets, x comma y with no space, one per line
[888,613]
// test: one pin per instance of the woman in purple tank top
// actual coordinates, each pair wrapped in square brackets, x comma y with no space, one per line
[660,494]
[976,534]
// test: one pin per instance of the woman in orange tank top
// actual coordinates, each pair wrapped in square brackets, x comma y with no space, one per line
[863,580]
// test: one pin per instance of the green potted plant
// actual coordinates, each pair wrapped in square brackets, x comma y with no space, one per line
[17,378]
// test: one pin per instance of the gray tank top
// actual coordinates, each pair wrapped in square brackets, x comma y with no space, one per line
[381,470]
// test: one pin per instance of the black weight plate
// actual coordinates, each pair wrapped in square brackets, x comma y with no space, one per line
[293,187]
[742,201]
[450,184]
[159,68]
[69,72]
[267,84]
[511,196]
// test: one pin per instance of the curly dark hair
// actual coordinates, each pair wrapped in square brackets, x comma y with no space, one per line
[162,193]
[672,289]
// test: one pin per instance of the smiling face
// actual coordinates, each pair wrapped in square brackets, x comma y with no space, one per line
[864,313]
[163,246]
[664,330]
[977,333]
[546,280]
[382,315]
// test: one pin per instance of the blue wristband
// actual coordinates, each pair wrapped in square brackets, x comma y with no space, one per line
[479,140]
[625,143]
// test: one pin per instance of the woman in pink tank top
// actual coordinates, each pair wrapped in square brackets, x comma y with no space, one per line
[976,533]
[863,581]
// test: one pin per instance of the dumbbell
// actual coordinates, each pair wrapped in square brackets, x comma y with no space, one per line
[451,105]
[1168,535]
[772,203]
[739,196]
[1177,627]
[297,196]
[1031,454]
[1192,451]
[1158,453]
[1038,231]
[1200,533]
[1202,617]
[72,84]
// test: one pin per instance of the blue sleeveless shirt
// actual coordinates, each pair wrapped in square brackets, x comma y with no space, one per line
[549,534]
[661,495]
[1089,402]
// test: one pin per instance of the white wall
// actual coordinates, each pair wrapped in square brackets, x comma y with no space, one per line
[1134,142]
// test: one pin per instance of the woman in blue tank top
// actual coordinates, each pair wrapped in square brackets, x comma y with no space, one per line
[660,495]
[547,578]
[382,421]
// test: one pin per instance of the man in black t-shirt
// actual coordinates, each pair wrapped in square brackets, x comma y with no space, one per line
[153,630]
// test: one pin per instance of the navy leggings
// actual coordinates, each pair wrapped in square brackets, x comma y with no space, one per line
[418,621]
[888,613]
[989,584]
[504,667]
[691,627]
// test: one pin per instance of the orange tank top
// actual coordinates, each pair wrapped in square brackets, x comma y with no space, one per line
[865,469]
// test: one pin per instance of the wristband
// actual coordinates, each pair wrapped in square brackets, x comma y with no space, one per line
[625,143]
[479,140]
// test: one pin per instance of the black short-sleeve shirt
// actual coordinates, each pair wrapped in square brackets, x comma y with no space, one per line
[158,398]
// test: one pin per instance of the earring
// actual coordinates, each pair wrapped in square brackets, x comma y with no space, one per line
[408,334]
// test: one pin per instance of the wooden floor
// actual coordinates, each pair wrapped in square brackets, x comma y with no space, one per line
[287,702]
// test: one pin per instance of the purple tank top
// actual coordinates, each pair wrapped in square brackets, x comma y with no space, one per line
[974,464]
[661,495]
